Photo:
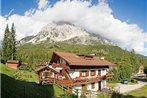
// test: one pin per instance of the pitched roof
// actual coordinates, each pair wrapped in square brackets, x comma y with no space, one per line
[40,68]
[54,65]
[83,60]
[13,61]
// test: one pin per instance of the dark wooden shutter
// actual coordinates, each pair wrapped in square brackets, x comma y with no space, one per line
[87,73]
[94,73]
[80,74]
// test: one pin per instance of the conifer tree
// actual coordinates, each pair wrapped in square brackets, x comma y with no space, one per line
[9,44]
[13,43]
[6,44]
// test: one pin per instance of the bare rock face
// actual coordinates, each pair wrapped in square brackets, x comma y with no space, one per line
[65,32]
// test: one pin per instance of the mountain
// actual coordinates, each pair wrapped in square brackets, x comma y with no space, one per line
[64,32]
[25,40]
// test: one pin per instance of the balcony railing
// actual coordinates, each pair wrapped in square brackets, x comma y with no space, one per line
[79,80]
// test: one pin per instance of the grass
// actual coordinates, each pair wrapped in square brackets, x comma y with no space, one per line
[139,93]
[111,85]
[132,83]
[22,85]
[6,70]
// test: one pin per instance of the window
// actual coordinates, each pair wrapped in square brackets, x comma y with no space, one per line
[93,72]
[60,71]
[84,73]
[62,61]
[45,74]
[84,87]
[92,85]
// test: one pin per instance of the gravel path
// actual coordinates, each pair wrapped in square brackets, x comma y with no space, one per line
[123,88]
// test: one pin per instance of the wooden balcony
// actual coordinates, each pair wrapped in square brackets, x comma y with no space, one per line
[78,81]
[108,76]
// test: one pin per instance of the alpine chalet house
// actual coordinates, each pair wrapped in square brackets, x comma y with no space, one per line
[76,71]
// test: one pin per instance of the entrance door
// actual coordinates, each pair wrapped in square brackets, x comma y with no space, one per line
[99,85]
[83,88]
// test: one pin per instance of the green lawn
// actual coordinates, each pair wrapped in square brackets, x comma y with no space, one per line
[111,85]
[22,85]
[139,93]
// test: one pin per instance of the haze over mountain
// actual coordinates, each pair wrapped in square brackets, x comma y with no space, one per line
[64,32]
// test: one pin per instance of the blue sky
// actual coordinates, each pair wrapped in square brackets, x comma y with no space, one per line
[132,11]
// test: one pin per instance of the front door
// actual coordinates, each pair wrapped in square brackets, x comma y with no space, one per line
[99,85]
[84,88]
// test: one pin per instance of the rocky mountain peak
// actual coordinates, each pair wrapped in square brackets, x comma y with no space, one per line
[65,32]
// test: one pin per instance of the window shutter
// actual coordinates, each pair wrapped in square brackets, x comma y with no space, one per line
[87,73]
[80,74]
[94,73]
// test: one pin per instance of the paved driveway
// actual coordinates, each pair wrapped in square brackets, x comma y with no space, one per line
[123,88]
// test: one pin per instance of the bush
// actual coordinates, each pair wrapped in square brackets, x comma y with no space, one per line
[83,96]
[68,96]
[27,68]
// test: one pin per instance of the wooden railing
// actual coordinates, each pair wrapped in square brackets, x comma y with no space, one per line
[64,87]
[109,76]
[78,81]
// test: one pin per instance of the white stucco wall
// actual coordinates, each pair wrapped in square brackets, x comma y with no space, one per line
[76,72]
[103,72]
[103,84]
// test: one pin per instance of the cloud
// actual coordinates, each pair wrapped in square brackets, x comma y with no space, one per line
[42,4]
[97,19]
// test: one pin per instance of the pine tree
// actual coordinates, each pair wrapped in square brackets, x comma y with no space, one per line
[9,44]
[6,45]
[13,43]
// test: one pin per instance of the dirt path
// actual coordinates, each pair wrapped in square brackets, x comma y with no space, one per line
[123,88]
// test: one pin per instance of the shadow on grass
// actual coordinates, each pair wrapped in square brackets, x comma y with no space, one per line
[117,95]
[130,96]
[11,88]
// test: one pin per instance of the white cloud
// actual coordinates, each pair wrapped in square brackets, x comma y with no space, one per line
[42,4]
[97,19]
[146,37]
